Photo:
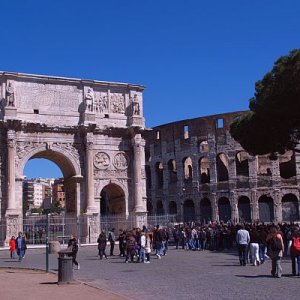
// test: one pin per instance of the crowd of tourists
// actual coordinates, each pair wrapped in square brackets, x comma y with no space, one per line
[254,242]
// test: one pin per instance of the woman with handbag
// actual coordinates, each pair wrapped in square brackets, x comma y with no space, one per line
[275,251]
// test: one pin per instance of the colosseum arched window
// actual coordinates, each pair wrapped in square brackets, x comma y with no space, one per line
[205,211]
[188,168]
[242,164]
[244,209]
[172,170]
[287,165]
[224,209]
[222,167]
[266,208]
[159,174]
[204,170]
[203,147]
[189,210]
[290,208]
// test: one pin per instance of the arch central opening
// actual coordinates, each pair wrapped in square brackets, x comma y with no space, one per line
[112,201]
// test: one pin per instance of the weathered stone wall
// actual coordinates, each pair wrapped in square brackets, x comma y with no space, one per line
[90,129]
[239,184]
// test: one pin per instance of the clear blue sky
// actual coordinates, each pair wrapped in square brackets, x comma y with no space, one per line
[195,57]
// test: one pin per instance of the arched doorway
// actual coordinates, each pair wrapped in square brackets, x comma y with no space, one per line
[58,197]
[224,209]
[244,209]
[266,209]
[112,201]
[290,208]
[189,210]
[70,175]
[205,211]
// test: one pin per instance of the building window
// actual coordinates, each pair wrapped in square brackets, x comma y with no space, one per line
[186,132]
[158,135]
[220,123]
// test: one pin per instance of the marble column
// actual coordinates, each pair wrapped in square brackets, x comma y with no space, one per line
[11,193]
[138,150]
[89,170]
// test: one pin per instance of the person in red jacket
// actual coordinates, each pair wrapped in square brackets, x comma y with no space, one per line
[12,247]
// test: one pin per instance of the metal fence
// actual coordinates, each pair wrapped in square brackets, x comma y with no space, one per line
[59,227]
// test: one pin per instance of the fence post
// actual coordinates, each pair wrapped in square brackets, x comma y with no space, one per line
[47,243]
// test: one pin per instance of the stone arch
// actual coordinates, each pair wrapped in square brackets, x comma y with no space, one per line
[266,208]
[205,210]
[290,208]
[224,209]
[203,146]
[244,209]
[189,210]
[69,166]
[242,164]
[204,170]
[222,167]
[113,200]
[172,168]
[188,168]
[173,208]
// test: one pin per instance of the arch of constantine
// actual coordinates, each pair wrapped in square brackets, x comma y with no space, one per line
[91,129]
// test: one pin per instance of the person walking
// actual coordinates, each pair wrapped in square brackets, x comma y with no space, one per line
[102,244]
[21,245]
[12,247]
[112,240]
[73,247]
[254,247]
[295,252]
[275,251]
[242,240]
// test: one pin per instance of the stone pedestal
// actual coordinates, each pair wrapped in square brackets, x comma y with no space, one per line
[14,224]
[92,231]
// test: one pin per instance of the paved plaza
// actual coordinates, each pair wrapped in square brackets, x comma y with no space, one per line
[179,275]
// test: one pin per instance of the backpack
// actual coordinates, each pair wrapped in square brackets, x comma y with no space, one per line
[275,244]
[295,248]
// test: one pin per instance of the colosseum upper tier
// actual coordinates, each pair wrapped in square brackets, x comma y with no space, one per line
[196,171]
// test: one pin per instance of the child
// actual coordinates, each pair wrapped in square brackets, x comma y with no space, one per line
[12,247]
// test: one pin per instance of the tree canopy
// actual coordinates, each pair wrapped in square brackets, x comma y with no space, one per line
[273,122]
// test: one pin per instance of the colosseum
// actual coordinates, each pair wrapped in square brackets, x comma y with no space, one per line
[197,172]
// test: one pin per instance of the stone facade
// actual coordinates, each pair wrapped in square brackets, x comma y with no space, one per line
[91,129]
[197,171]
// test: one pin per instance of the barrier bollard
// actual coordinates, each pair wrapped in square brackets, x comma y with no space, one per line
[65,267]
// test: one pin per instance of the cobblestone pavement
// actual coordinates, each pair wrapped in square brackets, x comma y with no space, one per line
[179,275]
